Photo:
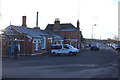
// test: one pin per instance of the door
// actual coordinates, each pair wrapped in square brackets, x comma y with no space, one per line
[65,49]
[59,49]
[18,47]
[9,48]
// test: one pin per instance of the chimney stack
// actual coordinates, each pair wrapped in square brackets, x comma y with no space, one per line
[57,24]
[37,20]
[78,25]
[24,21]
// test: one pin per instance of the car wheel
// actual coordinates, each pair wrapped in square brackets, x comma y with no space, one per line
[58,54]
[74,54]
[53,54]
[70,53]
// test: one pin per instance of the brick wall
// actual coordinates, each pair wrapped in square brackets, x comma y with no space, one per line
[71,35]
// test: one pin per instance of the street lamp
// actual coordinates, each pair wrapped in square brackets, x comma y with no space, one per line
[111,37]
[92,32]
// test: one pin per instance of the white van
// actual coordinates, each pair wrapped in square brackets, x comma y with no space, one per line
[58,49]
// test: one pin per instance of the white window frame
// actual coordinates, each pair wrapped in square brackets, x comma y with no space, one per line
[44,40]
[35,44]
[36,47]
[44,43]
[50,39]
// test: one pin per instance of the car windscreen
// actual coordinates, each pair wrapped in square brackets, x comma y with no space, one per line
[71,46]
[94,46]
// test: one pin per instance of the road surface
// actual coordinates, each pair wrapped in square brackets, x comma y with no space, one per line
[87,64]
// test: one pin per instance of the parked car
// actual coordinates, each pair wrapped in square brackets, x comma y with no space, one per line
[110,44]
[94,47]
[113,45]
[117,46]
[60,49]
[87,45]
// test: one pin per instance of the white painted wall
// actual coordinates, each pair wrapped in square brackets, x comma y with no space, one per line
[44,42]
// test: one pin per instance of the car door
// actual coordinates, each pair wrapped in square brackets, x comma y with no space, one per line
[55,49]
[65,49]
[59,49]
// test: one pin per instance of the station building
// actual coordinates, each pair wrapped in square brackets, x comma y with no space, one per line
[33,41]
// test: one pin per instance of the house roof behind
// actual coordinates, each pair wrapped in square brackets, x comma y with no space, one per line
[63,27]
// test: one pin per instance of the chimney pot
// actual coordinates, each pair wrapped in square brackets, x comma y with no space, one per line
[57,19]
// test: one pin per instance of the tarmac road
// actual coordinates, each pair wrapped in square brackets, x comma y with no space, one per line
[87,64]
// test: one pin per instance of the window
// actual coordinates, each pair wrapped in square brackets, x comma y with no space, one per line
[37,44]
[34,41]
[56,47]
[59,47]
[72,43]
[66,47]
[38,47]
[50,39]
[34,46]
[42,44]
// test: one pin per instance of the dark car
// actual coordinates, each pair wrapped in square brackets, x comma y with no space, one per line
[94,47]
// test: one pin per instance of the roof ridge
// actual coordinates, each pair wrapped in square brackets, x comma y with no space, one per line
[60,23]
[65,23]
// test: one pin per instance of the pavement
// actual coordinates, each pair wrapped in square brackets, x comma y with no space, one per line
[0,67]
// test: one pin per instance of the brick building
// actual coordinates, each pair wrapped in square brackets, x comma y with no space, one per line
[34,41]
[30,41]
[71,34]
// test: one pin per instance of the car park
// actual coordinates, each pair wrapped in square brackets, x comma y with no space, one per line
[63,49]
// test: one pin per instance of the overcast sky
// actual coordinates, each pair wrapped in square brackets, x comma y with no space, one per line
[104,13]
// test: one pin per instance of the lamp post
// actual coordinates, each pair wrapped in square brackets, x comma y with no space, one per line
[111,37]
[92,32]
[100,39]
